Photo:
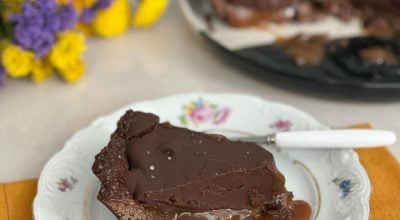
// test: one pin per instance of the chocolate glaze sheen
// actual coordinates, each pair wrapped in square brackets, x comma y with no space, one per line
[196,171]
[175,173]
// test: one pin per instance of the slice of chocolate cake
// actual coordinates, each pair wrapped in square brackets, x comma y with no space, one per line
[380,18]
[153,170]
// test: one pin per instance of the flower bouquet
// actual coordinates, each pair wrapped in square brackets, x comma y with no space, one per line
[42,37]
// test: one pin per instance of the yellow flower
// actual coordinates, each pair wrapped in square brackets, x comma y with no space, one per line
[88,3]
[83,28]
[190,108]
[73,72]
[41,70]
[114,20]
[67,50]
[16,61]
[149,12]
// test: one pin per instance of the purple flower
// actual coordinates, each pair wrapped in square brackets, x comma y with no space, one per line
[53,22]
[88,15]
[46,5]
[2,74]
[24,36]
[101,4]
[38,23]
[34,38]
[68,17]
[28,18]
[44,43]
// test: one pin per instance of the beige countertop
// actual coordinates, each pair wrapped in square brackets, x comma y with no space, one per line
[170,58]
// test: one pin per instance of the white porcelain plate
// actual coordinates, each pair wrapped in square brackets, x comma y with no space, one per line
[332,181]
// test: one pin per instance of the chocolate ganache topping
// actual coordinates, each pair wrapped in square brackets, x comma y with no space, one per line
[381,18]
[175,173]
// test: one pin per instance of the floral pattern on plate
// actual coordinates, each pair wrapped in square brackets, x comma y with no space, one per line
[65,184]
[345,186]
[281,125]
[201,111]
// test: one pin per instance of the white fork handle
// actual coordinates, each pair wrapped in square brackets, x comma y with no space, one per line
[348,138]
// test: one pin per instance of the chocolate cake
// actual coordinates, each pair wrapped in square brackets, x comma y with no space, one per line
[379,17]
[153,170]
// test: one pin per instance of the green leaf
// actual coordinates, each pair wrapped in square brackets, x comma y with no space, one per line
[4,29]
[183,120]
